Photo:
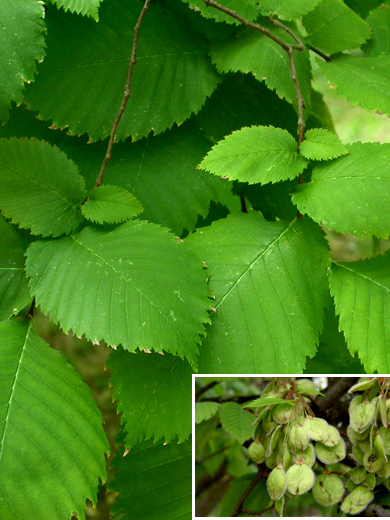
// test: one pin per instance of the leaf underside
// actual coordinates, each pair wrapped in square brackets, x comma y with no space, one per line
[171,80]
[204,411]
[343,194]
[85,7]
[154,395]
[236,421]
[52,442]
[270,283]
[154,481]
[157,292]
[361,291]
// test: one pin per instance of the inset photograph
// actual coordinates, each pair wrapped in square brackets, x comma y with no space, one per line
[291,446]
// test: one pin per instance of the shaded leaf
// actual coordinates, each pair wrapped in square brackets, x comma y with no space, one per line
[256,154]
[379,21]
[154,481]
[52,442]
[14,292]
[287,9]
[110,204]
[351,193]
[22,44]
[157,291]
[248,9]
[236,421]
[333,27]
[270,284]
[321,145]
[205,410]
[333,356]
[362,81]
[171,80]
[363,7]
[205,430]
[154,395]
[250,51]
[361,291]
[257,500]
[265,401]
[240,100]
[86,7]
[42,189]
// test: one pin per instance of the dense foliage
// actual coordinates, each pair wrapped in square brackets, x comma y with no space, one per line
[292,445]
[204,246]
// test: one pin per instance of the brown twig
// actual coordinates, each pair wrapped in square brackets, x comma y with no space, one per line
[126,94]
[203,390]
[377,510]
[336,391]
[257,513]
[288,47]
[238,507]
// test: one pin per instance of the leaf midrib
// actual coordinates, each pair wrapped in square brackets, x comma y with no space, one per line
[258,257]
[12,392]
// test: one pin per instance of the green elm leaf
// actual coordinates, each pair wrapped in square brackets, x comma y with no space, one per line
[154,481]
[248,9]
[85,7]
[171,80]
[270,284]
[333,27]
[22,44]
[45,407]
[379,21]
[250,51]
[361,291]
[204,411]
[110,204]
[259,154]
[351,193]
[14,291]
[363,81]
[287,9]
[158,298]
[155,401]
[236,421]
[41,188]
[321,145]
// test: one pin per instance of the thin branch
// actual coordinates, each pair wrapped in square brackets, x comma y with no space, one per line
[126,94]
[335,392]
[211,455]
[257,513]
[321,54]
[203,390]
[288,47]
[376,510]
[244,496]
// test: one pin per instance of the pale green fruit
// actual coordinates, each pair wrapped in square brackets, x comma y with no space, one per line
[371,480]
[334,437]
[279,506]
[282,413]
[372,462]
[256,452]
[306,386]
[331,455]
[362,496]
[358,454]
[355,437]
[379,447]
[348,507]
[358,475]
[298,437]
[318,429]
[362,416]
[364,384]
[385,434]
[364,445]
[384,471]
[350,485]
[359,399]
[300,478]
[307,456]
[288,460]
[328,490]
[383,410]
[277,483]
[273,460]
